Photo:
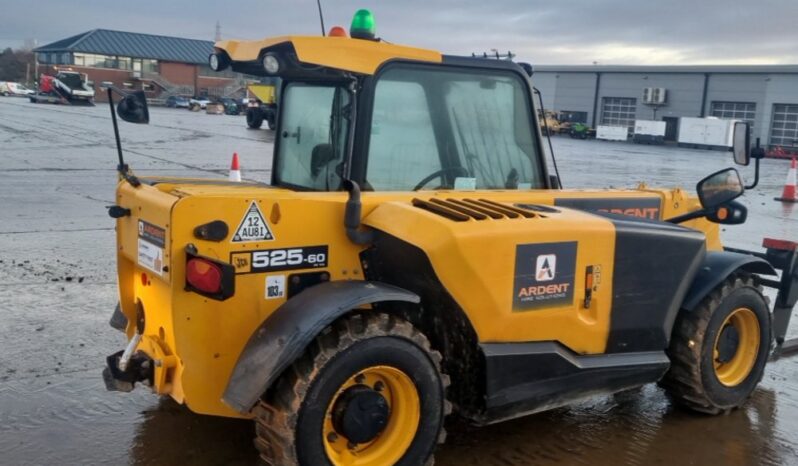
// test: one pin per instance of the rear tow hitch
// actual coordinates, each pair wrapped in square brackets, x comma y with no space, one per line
[139,368]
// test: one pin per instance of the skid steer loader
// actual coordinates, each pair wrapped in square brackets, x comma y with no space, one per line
[413,254]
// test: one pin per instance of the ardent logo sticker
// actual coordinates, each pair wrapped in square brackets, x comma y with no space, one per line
[642,207]
[544,275]
[546,267]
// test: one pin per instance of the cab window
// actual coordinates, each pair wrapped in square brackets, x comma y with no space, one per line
[312,139]
[451,128]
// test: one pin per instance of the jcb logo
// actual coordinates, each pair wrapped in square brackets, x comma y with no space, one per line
[546,267]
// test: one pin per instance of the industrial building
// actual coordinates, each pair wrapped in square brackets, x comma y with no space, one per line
[158,65]
[766,96]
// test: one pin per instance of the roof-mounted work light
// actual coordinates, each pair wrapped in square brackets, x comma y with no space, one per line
[271,64]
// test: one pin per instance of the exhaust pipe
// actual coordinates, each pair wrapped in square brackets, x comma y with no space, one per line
[352,216]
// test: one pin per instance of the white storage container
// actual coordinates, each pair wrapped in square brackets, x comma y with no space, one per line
[649,132]
[706,132]
[612,133]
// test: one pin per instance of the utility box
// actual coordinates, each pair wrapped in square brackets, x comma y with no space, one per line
[654,95]
[612,133]
[706,133]
[649,132]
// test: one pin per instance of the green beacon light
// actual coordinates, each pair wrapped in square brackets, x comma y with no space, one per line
[363,26]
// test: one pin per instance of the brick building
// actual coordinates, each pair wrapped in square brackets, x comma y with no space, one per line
[158,65]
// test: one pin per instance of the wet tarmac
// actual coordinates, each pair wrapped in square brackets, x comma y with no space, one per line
[57,288]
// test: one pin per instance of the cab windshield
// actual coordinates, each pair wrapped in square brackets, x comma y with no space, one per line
[454,128]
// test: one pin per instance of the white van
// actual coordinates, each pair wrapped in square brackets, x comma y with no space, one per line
[12,88]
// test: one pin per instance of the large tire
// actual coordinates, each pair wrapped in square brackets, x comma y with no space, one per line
[719,350]
[254,118]
[299,421]
[271,123]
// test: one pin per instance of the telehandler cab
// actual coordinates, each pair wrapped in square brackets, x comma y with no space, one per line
[413,254]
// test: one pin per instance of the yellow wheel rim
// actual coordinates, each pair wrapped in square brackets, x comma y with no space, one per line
[733,371]
[390,445]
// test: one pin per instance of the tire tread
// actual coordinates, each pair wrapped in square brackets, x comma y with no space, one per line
[683,379]
[276,415]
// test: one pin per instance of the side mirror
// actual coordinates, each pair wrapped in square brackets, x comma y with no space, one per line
[741,144]
[133,108]
[720,188]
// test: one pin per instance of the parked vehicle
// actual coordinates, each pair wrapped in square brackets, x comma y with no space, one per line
[581,131]
[262,106]
[177,101]
[14,89]
[66,87]
[200,102]
[549,123]
[231,106]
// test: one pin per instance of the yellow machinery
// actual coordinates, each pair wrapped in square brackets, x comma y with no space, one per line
[412,254]
[262,105]
[549,124]
[263,92]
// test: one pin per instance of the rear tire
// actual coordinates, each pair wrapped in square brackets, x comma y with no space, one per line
[719,350]
[302,419]
[254,118]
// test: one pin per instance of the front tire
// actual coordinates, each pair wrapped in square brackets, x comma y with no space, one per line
[719,350]
[369,391]
[254,118]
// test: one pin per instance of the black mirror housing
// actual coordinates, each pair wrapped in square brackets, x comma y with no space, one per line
[741,144]
[720,188]
[133,108]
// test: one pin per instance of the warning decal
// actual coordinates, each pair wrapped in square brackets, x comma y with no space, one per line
[151,243]
[253,227]
[544,275]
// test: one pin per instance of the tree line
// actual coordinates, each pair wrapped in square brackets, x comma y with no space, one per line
[17,65]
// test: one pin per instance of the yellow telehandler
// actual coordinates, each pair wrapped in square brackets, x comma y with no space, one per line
[412,255]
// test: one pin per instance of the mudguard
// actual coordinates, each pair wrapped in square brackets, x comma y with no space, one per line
[283,337]
[717,266]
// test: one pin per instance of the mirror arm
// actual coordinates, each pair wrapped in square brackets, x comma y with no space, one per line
[690,216]
[757,153]
[122,167]
[756,175]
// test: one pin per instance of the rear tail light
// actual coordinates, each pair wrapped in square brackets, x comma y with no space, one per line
[204,275]
[209,278]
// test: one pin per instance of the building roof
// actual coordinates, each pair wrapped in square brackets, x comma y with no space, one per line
[136,45]
[736,69]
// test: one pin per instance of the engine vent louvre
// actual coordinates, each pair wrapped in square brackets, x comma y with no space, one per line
[463,210]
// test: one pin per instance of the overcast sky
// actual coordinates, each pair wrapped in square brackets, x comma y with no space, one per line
[540,32]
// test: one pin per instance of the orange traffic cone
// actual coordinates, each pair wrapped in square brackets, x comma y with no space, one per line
[235,171]
[789,194]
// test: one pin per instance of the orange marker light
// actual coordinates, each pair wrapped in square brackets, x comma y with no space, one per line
[337,31]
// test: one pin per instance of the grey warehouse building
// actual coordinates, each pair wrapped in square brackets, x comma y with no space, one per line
[764,95]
